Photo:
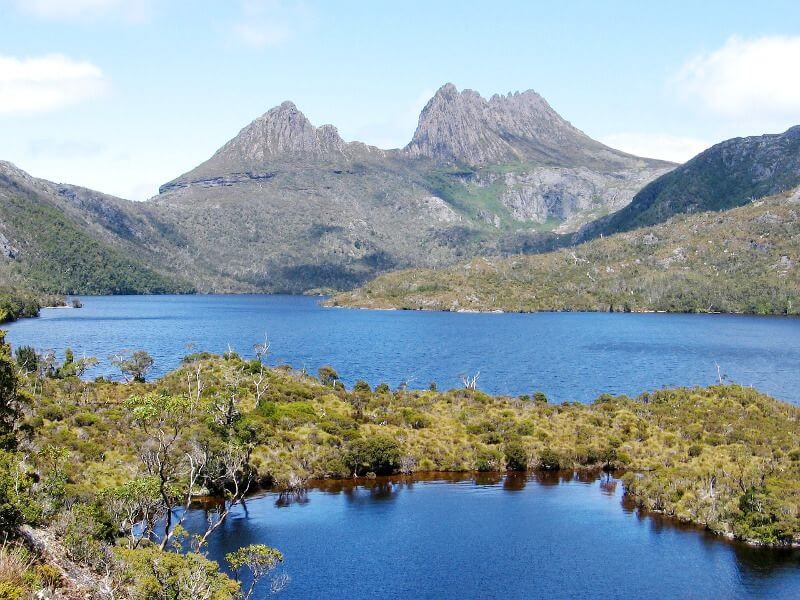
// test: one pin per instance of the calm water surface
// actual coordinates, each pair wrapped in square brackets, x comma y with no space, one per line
[495,538]
[569,356]
[540,536]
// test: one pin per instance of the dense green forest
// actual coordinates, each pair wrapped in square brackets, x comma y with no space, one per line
[83,461]
[56,256]
[743,260]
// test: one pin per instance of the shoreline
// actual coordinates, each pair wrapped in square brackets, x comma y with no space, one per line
[539,476]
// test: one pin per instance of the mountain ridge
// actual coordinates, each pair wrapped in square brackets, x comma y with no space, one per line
[728,174]
[319,212]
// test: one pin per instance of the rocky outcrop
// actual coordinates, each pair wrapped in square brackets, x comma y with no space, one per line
[465,128]
[78,581]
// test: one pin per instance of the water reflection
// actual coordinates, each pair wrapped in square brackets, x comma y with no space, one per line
[455,534]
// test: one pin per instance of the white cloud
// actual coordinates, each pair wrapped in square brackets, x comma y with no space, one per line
[269,23]
[46,83]
[658,145]
[133,10]
[754,78]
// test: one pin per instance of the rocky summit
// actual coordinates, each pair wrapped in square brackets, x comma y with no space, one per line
[289,206]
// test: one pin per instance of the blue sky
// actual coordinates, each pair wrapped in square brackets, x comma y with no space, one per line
[123,95]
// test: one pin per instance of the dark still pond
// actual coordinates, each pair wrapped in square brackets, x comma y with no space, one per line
[569,356]
[551,536]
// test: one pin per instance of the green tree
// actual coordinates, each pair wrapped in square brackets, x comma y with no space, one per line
[9,397]
[152,574]
[259,560]
[27,359]
[328,375]
[133,365]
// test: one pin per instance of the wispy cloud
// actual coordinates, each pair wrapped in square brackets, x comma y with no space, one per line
[46,83]
[269,23]
[754,79]
[657,145]
[131,10]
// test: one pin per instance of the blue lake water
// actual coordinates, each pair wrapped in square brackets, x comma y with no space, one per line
[536,536]
[569,356]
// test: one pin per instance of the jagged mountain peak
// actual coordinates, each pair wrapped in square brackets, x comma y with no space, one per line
[282,131]
[464,127]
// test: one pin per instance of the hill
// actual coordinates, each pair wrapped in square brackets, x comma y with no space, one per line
[729,174]
[57,239]
[744,260]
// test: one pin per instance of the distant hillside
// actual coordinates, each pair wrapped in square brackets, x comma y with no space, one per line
[286,206]
[727,175]
[744,260]
[52,243]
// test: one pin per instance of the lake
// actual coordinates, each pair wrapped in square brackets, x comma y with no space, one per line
[520,536]
[534,536]
[569,356]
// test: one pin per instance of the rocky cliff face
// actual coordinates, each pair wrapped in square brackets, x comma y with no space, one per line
[463,127]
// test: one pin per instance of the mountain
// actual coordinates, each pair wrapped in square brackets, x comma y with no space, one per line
[63,239]
[286,206]
[463,127]
[743,260]
[730,174]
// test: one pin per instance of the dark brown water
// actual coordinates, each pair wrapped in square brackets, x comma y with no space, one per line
[521,536]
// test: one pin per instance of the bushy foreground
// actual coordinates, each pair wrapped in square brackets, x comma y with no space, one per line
[87,461]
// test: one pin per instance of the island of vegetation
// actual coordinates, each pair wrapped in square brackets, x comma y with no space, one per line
[744,260]
[95,476]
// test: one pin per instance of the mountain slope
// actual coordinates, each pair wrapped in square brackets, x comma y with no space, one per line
[744,260]
[285,206]
[726,175]
[51,243]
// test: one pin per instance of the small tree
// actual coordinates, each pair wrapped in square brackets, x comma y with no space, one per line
[328,375]
[9,400]
[133,365]
[27,359]
[258,559]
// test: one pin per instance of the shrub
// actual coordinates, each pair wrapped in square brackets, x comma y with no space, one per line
[549,460]
[17,506]
[85,419]
[488,459]
[11,591]
[416,419]
[327,375]
[377,454]
[52,412]
[695,450]
[362,387]
[516,456]
[152,573]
